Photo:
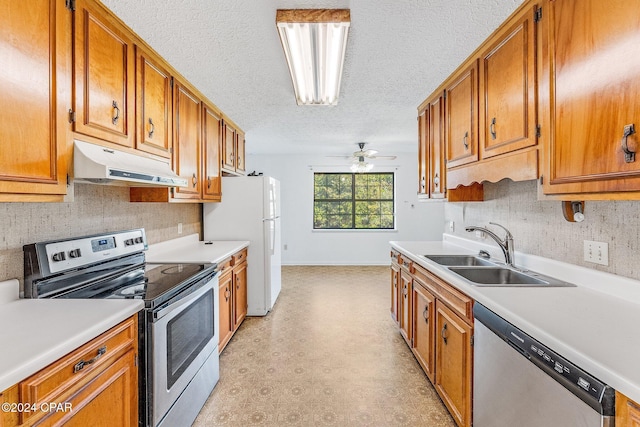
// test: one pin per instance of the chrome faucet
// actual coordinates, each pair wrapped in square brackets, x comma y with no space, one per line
[505,244]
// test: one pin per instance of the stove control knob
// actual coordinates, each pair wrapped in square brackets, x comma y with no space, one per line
[59,256]
[74,253]
[128,242]
[138,240]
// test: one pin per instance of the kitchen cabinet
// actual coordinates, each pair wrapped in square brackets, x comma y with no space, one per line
[454,363]
[187,142]
[153,104]
[233,295]
[590,99]
[508,88]
[440,334]
[627,411]
[211,143]
[461,119]
[233,150]
[406,283]
[35,93]
[100,377]
[423,344]
[423,151]
[395,286]
[104,70]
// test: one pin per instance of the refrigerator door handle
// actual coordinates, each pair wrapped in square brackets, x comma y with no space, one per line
[270,219]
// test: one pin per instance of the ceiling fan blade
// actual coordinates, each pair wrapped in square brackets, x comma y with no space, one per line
[384,157]
[341,157]
[370,153]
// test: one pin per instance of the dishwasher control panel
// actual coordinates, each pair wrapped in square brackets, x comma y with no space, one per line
[555,365]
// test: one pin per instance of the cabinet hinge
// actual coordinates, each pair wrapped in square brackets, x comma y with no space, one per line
[68,180]
[171,150]
[541,179]
[444,95]
[472,339]
[71,5]
[72,116]
[135,360]
[538,131]
[537,15]
[171,82]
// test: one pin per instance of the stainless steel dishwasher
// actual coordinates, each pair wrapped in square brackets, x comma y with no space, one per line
[519,381]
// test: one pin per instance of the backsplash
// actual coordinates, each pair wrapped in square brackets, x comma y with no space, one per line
[96,209]
[539,228]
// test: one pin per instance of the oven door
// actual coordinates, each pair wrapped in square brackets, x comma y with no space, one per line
[182,337]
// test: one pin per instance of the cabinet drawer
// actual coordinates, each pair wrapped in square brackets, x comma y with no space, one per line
[225,266]
[238,257]
[52,383]
[453,298]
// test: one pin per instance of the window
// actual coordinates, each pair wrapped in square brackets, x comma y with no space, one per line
[353,201]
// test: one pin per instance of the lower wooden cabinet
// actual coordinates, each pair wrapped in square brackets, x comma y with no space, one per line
[233,296]
[395,286]
[436,321]
[627,411]
[423,344]
[97,384]
[454,360]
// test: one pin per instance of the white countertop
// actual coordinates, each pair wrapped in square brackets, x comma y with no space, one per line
[594,325]
[37,332]
[190,250]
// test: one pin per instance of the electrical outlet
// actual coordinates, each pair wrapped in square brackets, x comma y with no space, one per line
[452,226]
[285,246]
[179,228]
[596,252]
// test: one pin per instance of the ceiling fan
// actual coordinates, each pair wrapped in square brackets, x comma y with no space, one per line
[363,154]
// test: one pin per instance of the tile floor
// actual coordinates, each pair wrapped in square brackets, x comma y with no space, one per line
[328,354]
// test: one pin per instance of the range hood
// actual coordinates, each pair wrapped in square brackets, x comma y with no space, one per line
[100,165]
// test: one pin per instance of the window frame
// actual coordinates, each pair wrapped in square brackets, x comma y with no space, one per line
[353,201]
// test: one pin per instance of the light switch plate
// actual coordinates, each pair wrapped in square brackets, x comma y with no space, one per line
[596,252]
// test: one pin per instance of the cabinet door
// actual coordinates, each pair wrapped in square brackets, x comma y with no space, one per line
[405,305]
[153,107]
[104,75]
[186,141]
[226,301]
[437,164]
[591,80]
[114,392]
[395,289]
[423,151]
[240,157]
[462,117]
[507,85]
[228,147]
[239,293]
[35,53]
[454,363]
[424,328]
[212,143]
[627,411]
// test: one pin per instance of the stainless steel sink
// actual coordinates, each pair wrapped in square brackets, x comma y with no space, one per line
[461,260]
[499,276]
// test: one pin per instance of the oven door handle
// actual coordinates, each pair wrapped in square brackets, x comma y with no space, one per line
[194,292]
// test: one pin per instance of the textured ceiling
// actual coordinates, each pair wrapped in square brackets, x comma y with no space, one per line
[398,52]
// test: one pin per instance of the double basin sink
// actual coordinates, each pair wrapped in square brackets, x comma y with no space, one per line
[483,272]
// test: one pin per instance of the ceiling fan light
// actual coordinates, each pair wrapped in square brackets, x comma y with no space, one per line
[314,43]
[361,167]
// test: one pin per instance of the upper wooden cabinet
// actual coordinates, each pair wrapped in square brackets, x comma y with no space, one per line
[233,161]
[104,85]
[508,88]
[212,141]
[187,141]
[423,151]
[590,97]
[35,94]
[436,148]
[462,117]
[627,411]
[153,104]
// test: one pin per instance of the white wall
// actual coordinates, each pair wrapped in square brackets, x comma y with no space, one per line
[414,220]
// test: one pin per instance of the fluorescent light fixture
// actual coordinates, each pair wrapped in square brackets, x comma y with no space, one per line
[361,166]
[314,42]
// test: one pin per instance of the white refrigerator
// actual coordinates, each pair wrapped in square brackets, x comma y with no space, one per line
[250,210]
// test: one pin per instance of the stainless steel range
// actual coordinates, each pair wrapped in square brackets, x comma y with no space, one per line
[178,334]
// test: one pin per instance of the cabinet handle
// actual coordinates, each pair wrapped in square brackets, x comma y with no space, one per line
[115,118]
[232,156]
[208,182]
[629,155]
[153,128]
[443,332]
[425,314]
[194,180]
[422,183]
[492,128]
[465,140]
[436,180]
[227,294]
[81,364]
